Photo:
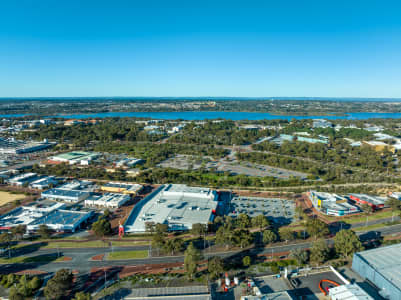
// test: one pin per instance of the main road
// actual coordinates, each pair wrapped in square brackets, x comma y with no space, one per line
[81,257]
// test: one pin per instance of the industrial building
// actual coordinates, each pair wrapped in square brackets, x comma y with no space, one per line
[121,187]
[178,206]
[65,195]
[75,157]
[373,201]
[25,215]
[12,146]
[44,183]
[22,179]
[348,292]
[332,204]
[382,267]
[61,220]
[321,123]
[110,200]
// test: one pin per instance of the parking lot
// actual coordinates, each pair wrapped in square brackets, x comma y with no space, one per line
[279,211]
[233,166]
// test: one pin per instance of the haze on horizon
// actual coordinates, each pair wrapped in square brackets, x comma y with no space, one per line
[208,48]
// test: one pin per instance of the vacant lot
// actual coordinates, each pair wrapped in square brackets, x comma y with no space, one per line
[6,197]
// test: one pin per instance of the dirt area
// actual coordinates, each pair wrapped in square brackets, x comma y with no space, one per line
[6,197]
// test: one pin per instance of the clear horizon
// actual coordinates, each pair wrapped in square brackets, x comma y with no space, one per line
[186,49]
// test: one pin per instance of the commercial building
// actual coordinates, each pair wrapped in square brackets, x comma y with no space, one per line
[109,200]
[348,292]
[179,206]
[22,179]
[24,215]
[373,201]
[129,162]
[73,196]
[382,267]
[12,146]
[61,220]
[44,183]
[75,157]
[321,123]
[332,204]
[121,187]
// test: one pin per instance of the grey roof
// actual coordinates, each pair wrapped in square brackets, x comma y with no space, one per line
[386,261]
[179,206]
[64,217]
[184,292]
[65,193]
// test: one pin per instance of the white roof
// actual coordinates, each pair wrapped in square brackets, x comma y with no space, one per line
[348,292]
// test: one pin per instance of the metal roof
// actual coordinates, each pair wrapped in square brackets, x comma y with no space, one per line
[349,292]
[386,261]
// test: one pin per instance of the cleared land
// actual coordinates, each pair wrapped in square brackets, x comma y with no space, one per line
[127,255]
[6,197]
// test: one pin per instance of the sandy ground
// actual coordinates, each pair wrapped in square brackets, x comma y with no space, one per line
[6,197]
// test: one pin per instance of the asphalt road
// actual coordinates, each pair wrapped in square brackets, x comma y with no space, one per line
[81,256]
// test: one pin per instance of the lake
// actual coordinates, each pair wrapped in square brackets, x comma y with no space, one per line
[205,115]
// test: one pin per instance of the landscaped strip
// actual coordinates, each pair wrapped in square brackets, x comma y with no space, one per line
[120,255]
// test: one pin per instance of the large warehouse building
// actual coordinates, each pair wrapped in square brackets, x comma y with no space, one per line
[382,267]
[177,205]
[12,146]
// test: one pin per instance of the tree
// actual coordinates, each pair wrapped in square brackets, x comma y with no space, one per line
[366,208]
[319,252]
[269,237]
[173,245]
[82,296]
[14,294]
[101,227]
[300,255]
[199,229]
[150,227]
[346,243]
[243,221]
[215,266]
[35,283]
[317,228]
[242,238]
[107,214]
[191,260]
[18,231]
[158,240]
[246,261]
[59,285]
[161,228]
[286,234]
[394,204]
[44,231]
[260,221]
[299,212]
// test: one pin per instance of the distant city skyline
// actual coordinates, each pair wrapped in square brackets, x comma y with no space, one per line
[342,49]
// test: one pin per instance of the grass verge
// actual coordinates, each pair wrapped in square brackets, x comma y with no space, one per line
[127,255]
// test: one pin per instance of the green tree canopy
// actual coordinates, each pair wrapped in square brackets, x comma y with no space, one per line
[346,243]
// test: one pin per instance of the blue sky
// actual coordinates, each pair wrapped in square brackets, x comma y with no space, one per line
[200,48]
